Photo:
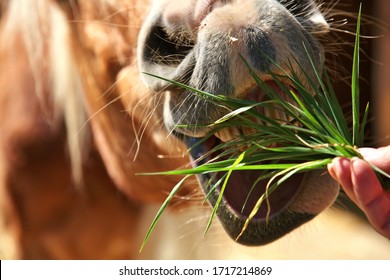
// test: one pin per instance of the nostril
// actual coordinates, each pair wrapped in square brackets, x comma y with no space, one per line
[160,48]
[164,55]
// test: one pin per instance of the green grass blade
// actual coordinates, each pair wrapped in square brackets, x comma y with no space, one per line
[337,111]
[214,187]
[233,114]
[220,197]
[363,125]
[327,100]
[161,210]
[184,86]
[355,85]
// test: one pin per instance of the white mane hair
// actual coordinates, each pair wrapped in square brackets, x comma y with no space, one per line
[46,34]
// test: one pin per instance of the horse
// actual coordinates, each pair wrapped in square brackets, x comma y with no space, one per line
[80,119]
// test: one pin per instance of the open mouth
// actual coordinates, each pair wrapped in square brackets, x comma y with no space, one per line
[242,192]
[244,188]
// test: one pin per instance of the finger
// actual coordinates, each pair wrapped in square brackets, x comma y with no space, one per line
[341,171]
[379,157]
[370,196]
[331,170]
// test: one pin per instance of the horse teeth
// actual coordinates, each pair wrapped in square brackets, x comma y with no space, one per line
[278,115]
[228,134]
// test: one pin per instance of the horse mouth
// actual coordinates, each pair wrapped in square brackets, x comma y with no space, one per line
[243,190]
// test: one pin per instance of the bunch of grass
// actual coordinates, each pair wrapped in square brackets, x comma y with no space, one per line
[316,135]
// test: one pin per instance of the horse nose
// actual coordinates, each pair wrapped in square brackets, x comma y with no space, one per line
[189,14]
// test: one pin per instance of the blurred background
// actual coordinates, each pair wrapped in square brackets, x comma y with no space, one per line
[375,62]
[380,73]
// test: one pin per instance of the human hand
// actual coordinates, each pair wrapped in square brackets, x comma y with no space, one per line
[362,186]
